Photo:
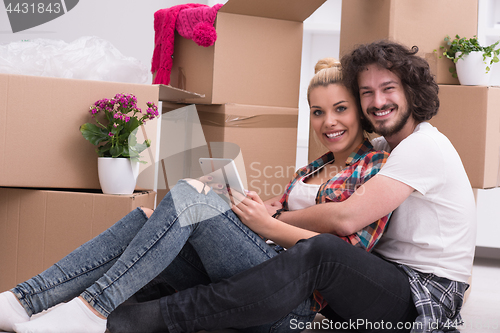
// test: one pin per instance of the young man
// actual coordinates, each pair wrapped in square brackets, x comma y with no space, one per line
[416,278]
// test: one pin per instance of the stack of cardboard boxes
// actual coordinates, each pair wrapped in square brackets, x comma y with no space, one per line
[50,198]
[250,78]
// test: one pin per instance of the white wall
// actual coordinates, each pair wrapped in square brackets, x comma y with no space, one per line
[321,39]
[488,31]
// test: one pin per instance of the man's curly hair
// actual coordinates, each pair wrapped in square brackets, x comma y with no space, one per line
[420,88]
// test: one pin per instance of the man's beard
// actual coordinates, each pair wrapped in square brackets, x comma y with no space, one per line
[379,127]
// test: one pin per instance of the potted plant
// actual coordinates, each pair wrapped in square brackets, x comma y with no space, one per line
[114,133]
[473,62]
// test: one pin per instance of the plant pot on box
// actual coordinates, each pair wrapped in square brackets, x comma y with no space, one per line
[117,175]
[472,69]
[114,134]
[472,61]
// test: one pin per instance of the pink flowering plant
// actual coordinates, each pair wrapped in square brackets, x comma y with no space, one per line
[115,136]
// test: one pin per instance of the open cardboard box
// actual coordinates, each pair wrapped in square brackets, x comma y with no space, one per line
[266,136]
[256,59]
[40,142]
[39,227]
[470,117]
[424,23]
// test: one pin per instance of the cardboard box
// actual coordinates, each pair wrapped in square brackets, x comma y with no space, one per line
[39,227]
[488,217]
[256,59]
[266,135]
[424,23]
[40,117]
[470,117]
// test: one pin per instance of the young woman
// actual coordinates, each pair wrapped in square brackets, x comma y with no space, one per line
[212,243]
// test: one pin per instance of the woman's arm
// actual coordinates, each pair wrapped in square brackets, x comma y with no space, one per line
[253,212]
[378,197]
[374,199]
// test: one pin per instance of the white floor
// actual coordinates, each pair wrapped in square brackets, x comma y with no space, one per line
[481,312]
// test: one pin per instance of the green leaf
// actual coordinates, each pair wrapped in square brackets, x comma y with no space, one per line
[131,125]
[466,46]
[117,129]
[132,139]
[94,133]
[116,151]
[139,148]
[103,151]
[126,151]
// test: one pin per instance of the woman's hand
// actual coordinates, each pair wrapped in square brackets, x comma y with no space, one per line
[255,215]
[252,211]
[205,183]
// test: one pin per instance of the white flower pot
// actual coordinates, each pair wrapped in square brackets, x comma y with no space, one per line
[117,175]
[471,70]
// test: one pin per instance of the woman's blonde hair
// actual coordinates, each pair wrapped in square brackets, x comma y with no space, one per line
[327,71]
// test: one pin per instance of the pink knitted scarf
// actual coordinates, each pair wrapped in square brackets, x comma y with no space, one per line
[181,17]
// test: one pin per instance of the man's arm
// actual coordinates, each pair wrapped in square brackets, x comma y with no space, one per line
[374,199]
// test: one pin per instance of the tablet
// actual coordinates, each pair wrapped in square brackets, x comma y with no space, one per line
[224,171]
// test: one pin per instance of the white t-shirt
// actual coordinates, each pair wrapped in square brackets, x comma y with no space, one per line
[302,195]
[433,230]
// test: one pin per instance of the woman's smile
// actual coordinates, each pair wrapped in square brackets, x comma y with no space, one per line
[335,135]
[335,119]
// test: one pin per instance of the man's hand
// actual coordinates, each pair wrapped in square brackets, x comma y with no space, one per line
[273,205]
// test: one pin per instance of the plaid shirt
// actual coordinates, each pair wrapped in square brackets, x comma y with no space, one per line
[438,302]
[361,165]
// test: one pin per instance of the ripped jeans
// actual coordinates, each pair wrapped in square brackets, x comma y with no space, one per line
[191,238]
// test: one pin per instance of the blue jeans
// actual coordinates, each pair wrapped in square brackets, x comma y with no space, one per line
[112,267]
[363,291]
